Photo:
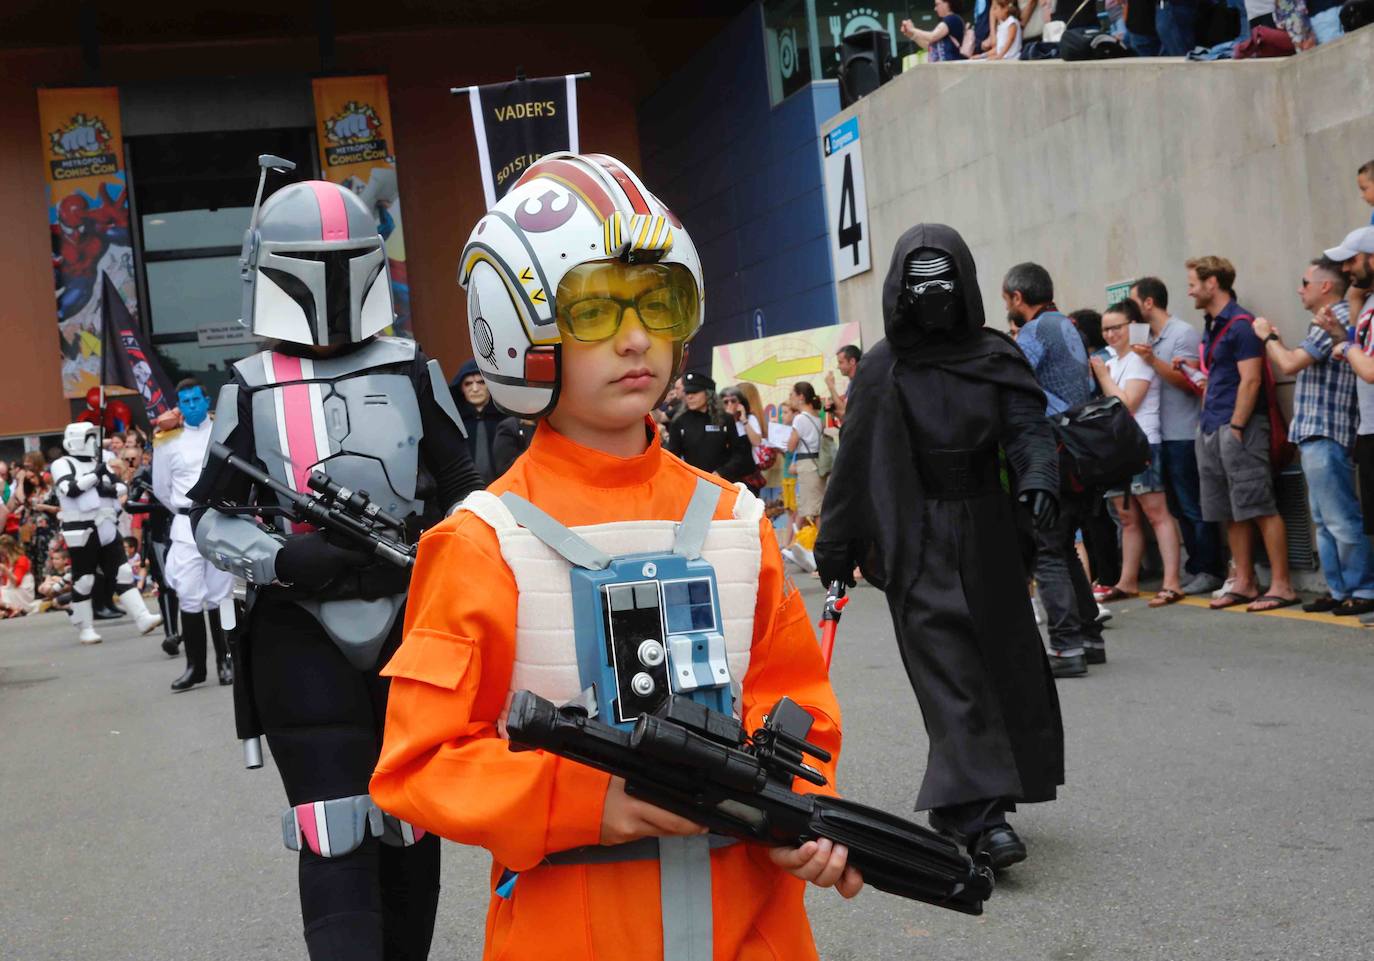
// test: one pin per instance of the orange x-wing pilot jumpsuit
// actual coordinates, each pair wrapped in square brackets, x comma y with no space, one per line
[445,767]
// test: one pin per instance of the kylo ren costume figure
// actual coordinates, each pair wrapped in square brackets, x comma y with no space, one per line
[917,500]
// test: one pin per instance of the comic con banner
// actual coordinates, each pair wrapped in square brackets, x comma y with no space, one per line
[88,213]
[517,123]
[358,149]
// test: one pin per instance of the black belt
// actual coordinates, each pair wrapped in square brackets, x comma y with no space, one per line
[959,474]
[806,456]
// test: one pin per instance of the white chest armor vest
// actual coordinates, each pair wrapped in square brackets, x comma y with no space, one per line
[545,651]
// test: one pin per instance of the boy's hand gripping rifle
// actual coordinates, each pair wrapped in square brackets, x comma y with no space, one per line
[332,508]
[700,764]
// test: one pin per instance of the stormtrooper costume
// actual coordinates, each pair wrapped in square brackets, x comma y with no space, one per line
[200,586]
[88,497]
[375,415]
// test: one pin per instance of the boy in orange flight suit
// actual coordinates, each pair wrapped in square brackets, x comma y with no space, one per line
[490,612]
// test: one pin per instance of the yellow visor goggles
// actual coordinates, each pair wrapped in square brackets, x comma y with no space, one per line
[592,300]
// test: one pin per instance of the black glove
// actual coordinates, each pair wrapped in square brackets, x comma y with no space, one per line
[309,561]
[834,562]
[1044,508]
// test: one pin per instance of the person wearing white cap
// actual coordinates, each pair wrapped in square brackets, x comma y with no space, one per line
[1355,254]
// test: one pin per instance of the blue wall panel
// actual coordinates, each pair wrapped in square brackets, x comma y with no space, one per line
[745,178]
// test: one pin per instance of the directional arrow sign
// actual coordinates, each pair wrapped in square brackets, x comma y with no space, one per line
[773,370]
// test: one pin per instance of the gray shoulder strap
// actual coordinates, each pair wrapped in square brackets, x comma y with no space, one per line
[696,523]
[442,396]
[574,549]
[684,866]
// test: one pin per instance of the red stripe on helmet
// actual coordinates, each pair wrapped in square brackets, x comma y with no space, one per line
[333,213]
[578,181]
[627,184]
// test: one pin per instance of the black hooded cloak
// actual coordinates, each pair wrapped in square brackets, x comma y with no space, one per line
[946,555]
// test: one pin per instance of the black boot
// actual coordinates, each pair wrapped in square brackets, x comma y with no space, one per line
[167,602]
[222,660]
[193,635]
[103,599]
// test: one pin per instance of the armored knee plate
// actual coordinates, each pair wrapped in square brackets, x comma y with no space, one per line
[83,585]
[337,827]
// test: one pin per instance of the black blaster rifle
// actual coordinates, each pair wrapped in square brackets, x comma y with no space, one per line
[332,508]
[700,764]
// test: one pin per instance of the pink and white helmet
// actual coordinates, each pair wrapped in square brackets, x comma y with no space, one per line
[315,268]
[566,210]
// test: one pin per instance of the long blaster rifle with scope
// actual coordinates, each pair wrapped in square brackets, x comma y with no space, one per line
[333,508]
[700,764]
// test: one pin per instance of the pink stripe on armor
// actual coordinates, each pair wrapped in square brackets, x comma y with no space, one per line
[333,214]
[305,817]
[301,452]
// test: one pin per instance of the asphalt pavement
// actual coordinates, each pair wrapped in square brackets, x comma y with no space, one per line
[1218,805]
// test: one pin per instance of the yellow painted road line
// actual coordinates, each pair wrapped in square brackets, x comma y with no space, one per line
[1291,613]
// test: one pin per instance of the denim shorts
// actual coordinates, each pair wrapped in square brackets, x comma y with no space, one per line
[1148,481]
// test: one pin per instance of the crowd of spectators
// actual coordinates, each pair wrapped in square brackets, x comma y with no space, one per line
[34,564]
[1207,402]
[1199,29]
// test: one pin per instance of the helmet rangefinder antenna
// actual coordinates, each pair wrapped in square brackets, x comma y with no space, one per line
[267,162]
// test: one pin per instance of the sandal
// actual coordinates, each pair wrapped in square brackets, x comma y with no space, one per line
[1117,594]
[1271,602]
[1165,598]
[1232,599]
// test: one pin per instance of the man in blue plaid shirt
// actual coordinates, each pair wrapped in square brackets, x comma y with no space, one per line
[1325,417]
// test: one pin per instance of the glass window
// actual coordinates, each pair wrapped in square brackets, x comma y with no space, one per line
[791,26]
[194,195]
[191,294]
[189,229]
[787,42]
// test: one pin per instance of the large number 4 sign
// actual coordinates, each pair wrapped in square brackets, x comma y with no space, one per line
[846,202]
[850,229]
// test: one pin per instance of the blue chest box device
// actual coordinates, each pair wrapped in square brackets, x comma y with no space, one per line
[646,626]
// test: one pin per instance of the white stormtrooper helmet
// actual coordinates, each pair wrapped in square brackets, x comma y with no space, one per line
[81,440]
[565,211]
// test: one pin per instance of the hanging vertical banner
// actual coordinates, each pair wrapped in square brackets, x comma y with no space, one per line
[88,213]
[516,123]
[358,149]
[125,361]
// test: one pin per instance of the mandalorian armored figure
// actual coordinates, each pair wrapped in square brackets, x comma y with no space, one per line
[375,415]
[88,495]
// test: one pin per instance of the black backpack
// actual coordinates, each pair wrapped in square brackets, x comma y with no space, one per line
[1101,445]
[1356,14]
[1087,43]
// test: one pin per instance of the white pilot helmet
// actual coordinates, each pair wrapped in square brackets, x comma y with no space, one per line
[565,210]
[81,439]
[315,268]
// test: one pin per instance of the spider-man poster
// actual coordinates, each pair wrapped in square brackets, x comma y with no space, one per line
[88,214]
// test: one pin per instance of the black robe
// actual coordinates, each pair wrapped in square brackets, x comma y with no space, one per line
[951,568]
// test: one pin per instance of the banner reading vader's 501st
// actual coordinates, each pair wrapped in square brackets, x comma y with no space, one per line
[517,123]
[88,212]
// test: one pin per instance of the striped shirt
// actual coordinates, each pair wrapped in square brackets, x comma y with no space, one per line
[1324,401]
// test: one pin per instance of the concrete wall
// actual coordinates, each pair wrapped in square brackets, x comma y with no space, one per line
[1103,172]
[745,178]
